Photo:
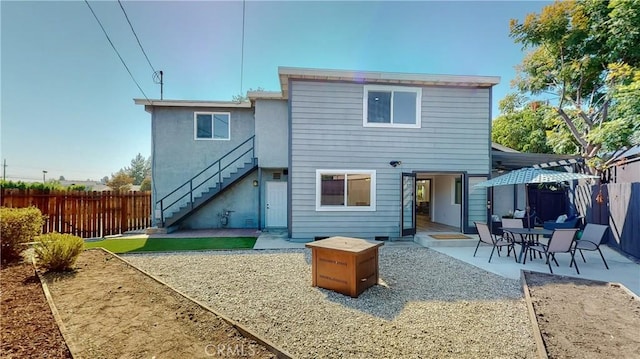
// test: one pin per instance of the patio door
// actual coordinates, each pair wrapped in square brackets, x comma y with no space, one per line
[408,207]
[477,208]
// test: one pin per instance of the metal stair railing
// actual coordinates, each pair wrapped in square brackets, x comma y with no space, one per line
[218,172]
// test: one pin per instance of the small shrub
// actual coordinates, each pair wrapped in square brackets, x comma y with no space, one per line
[57,251]
[39,186]
[77,187]
[18,226]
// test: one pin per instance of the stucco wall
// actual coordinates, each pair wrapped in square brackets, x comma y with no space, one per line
[272,133]
[177,156]
[242,199]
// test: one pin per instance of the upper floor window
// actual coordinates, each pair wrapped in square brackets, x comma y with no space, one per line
[392,106]
[212,125]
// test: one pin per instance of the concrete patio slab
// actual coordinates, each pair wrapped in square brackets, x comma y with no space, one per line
[621,269]
[275,239]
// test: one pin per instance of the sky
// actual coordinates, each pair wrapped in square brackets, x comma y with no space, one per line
[67,100]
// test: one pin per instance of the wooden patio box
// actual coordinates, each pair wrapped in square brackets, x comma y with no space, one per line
[345,265]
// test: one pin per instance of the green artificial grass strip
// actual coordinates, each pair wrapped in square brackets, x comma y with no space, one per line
[128,245]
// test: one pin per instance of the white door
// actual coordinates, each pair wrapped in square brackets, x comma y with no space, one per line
[276,204]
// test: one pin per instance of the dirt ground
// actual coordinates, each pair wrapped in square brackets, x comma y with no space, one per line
[111,310]
[580,318]
[27,327]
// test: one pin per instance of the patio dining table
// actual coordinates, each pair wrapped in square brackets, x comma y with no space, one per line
[529,235]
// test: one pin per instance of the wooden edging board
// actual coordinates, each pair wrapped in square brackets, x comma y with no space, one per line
[280,353]
[537,336]
[56,315]
[542,350]
[621,286]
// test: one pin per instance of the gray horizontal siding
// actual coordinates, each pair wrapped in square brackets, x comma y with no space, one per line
[327,133]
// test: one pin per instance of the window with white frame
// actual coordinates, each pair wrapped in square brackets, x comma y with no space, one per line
[345,190]
[212,125]
[392,106]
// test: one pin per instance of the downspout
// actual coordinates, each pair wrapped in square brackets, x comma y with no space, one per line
[290,162]
[489,174]
[154,191]
[259,198]
[259,188]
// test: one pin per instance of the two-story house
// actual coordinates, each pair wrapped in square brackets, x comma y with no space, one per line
[353,153]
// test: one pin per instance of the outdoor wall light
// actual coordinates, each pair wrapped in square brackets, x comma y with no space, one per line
[255,183]
[395,163]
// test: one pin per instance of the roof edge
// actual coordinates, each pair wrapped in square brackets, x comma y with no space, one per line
[415,79]
[264,95]
[502,148]
[192,103]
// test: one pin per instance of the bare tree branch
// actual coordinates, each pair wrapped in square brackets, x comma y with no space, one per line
[586,118]
[605,112]
[582,114]
[572,127]
[594,151]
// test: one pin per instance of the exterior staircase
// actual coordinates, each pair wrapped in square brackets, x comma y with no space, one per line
[208,184]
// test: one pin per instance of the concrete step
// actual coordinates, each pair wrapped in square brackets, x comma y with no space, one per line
[427,241]
[155,230]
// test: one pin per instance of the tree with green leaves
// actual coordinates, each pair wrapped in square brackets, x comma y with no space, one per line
[523,126]
[120,181]
[625,110]
[139,169]
[146,184]
[576,51]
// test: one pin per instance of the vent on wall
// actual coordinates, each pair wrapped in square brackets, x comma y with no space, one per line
[276,176]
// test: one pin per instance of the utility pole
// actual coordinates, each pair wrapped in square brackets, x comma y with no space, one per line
[4,170]
[158,78]
[44,173]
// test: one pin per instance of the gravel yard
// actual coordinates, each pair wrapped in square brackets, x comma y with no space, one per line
[428,304]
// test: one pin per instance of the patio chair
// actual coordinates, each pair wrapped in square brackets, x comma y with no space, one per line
[486,237]
[514,238]
[591,239]
[561,242]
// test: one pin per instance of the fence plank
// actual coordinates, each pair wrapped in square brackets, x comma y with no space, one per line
[85,214]
[616,205]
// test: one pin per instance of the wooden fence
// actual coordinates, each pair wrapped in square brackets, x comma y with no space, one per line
[85,214]
[616,205]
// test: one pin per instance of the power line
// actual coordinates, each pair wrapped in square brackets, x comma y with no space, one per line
[116,50]
[242,49]
[136,36]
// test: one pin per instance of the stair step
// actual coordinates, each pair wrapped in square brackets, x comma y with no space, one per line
[210,193]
